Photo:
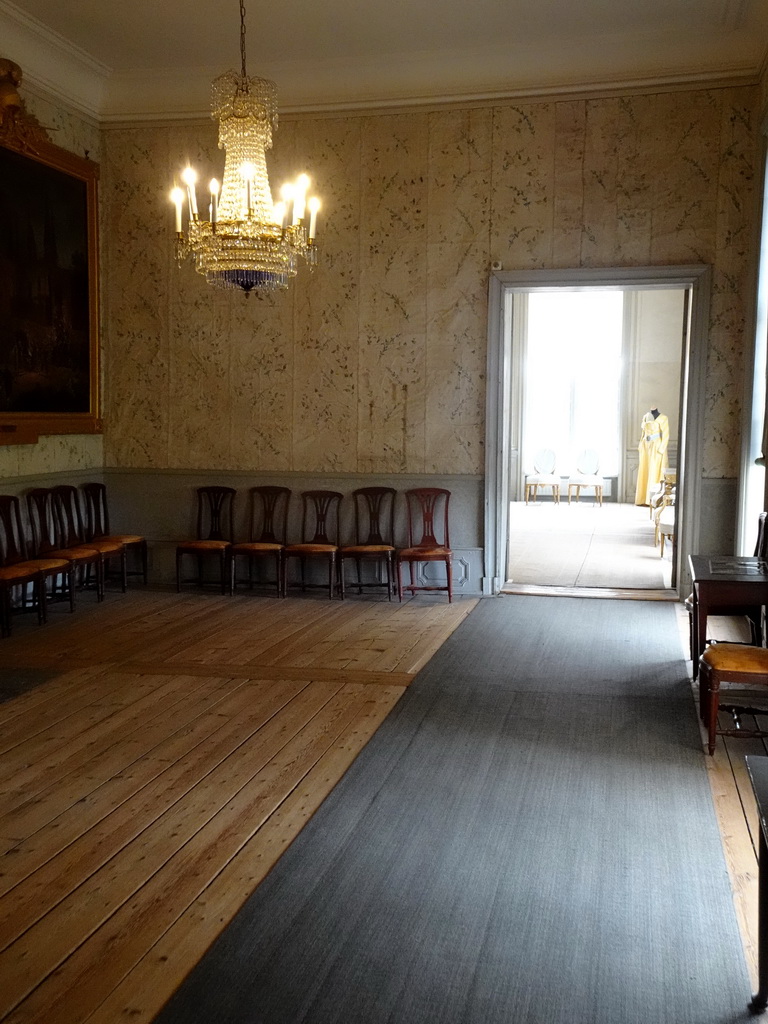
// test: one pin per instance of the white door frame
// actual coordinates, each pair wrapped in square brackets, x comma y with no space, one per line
[499,406]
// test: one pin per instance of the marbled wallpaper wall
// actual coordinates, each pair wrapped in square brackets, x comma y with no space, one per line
[67,452]
[376,362]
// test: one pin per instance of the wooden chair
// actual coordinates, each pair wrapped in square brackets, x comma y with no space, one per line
[215,530]
[374,537]
[730,663]
[16,570]
[754,612]
[49,539]
[97,527]
[427,517]
[543,475]
[66,501]
[319,536]
[267,526]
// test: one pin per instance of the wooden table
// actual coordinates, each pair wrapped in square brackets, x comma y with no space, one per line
[723,581]
[758,774]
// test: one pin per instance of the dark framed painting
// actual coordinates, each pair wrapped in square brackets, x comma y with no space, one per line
[49,345]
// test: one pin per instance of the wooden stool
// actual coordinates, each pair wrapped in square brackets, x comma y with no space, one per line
[731,663]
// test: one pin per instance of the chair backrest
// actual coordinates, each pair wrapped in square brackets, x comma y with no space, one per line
[12,540]
[427,510]
[215,513]
[268,514]
[588,462]
[320,517]
[761,547]
[544,461]
[96,511]
[43,520]
[374,515]
[69,515]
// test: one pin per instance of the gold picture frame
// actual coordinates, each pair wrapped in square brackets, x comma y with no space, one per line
[49,313]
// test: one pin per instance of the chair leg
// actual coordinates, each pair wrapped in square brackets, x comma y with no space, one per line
[69,575]
[399,580]
[5,611]
[38,587]
[143,549]
[449,573]
[704,694]
[331,575]
[713,704]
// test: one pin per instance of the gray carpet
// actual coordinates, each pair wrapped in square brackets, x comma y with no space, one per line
[528,838]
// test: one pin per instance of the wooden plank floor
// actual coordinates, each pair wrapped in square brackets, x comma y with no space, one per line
[174,748]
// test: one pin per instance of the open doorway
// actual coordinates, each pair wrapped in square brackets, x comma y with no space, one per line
[593,362]
[677,363]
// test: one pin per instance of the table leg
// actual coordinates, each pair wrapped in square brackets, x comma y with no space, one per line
[699,630]
[760,999]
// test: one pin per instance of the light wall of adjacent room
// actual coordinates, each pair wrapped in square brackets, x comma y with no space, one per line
[373,367]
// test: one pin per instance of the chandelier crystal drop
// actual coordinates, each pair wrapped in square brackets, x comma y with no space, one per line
[248,241]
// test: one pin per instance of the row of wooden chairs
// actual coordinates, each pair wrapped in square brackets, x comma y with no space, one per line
[61,547]
[373,540]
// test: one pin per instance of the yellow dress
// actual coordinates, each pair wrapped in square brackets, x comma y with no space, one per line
[654,440]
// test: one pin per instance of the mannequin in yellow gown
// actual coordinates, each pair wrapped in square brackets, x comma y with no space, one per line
[654,439]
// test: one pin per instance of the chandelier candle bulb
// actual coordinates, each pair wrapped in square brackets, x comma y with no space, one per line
[300,198]
[189,178]
[177,198]
[287,195]
[314,206]
[214,188]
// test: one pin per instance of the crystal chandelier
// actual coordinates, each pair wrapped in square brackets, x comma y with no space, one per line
[248,241]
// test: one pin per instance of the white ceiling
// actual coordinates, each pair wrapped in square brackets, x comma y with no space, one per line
[155,58]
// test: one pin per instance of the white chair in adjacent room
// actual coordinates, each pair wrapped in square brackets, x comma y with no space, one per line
[543,475]
[587,475]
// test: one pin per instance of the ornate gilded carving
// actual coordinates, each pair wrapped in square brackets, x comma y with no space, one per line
[18,128]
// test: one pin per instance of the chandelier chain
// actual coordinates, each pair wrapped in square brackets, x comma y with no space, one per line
[242,37]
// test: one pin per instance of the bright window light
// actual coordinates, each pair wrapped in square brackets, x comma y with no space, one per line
[572,377]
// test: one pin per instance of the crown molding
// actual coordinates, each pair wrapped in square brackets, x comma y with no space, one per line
[650,62]
[51,64]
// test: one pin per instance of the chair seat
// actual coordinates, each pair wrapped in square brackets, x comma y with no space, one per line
[21,571]
[585,480]
[106,545]
[543,479]
[204,545]
[361,550]
[77,554]
[739,659]
[127,538]
[426,554]
[48,564]
[254,548]
[667,520]
[310,549]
